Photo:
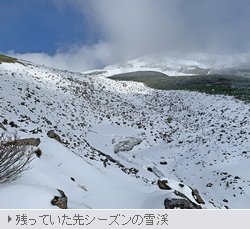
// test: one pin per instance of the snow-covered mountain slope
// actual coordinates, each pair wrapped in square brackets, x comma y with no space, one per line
[181,63]
[120,138]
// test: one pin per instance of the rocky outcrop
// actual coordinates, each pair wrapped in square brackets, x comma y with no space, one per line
[179,203]
[108,157]
[183,203]
[126,144]
[12,124]
[26,141]
[180,195]
[52,134]
[197,197]
[62,201]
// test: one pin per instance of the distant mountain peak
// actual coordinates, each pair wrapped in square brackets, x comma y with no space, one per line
[179,63]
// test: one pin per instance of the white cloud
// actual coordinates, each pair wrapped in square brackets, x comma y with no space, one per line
[137,27]
[76,59]
[127,29]
[133,28]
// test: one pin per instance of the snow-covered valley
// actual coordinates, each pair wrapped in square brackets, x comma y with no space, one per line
[119,139]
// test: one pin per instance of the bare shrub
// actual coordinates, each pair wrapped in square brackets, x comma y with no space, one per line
[14,158]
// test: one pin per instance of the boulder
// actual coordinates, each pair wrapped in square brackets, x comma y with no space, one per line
[179,203]
[38,152]
[163,163]
[52,134]
[183,202]
[126,144]
[5,121]
[163,185]
[12,124]
[62,201]
[26,141]
[169,120]
[196,195]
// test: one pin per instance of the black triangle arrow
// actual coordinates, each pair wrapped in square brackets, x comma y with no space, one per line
[9,219]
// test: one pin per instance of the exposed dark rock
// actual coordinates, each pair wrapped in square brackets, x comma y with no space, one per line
[26,141]
[62,201]
[36,131]
[38,152]
[169,120]
[185,197]
[163,185]
[105,162]
[179,203]
[73,179]
[5,122]
[163,162]
[197,197]
[106,155]
[12,124]
[48,122]
[133,171]
[150,169]
[52,134]
[183,203]
[209,185]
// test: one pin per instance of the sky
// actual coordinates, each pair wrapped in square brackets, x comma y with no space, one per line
[80,35]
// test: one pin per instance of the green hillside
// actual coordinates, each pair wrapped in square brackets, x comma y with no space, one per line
[7,59]
[236,86]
